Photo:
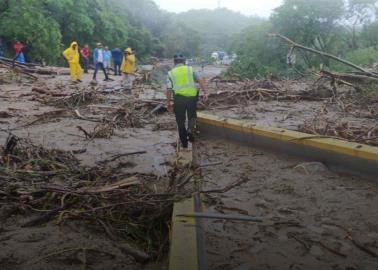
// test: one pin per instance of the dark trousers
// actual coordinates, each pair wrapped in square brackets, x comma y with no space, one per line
[97,67]
[185,108]
[117,68]
[85,63]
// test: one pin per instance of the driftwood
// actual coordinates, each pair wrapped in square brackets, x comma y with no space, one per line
[96,195]
[220,216]
[131,181]
[18,69]
[26,68]
[114,158]
[346,76]
[8,60]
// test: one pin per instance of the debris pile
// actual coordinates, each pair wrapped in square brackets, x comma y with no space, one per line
[232,92]
[28,69]
[128,116]
[341,129]
[50,186]
[83,96]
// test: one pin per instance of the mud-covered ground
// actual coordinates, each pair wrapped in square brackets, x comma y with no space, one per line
[24,113]
[299,105]
[312,217]
[305,216]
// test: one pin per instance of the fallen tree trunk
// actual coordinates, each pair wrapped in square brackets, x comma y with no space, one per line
[350,76]
[22,64]
[18,69]
[294,45]
[26,68]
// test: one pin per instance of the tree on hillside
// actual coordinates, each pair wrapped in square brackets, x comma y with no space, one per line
[73,18]
[179,38]
[146,13]
[258,55]
[26,20]
[359,13]
[348,29]
[309,22]
[216,27]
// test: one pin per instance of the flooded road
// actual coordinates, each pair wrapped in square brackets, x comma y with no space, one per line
[312,217]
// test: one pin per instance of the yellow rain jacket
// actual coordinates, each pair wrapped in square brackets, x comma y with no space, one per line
[128,64]
[73,58]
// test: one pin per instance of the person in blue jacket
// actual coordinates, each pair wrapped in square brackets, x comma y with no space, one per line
[98,60]
[117,60]
[107,58]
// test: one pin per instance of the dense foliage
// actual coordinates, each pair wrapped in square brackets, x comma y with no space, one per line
[348,29]
[48,26]
[216,28]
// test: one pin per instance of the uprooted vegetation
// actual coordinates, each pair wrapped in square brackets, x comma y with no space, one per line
[50,186]
[322,107]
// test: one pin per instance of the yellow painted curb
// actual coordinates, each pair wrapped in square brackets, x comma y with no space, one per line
[329,144]
[184,248]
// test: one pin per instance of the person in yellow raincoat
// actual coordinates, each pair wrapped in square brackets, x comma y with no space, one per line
[128,68]
[73,58]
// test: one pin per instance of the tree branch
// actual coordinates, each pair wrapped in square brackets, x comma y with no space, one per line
[296,45]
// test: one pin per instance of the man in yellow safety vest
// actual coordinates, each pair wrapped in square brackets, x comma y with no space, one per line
[181,83]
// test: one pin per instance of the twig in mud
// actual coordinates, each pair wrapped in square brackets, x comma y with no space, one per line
[362,247]
[314,137]
[228,188]
[305,241]
[101,130]
[115,157]
[210,164]
[131,181]
[350,238]
[77,113]
[185,181]
[322,244]
[224,217]
[138,255]
[44,218]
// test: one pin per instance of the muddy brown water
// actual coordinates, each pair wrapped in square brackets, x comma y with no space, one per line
[312,217]
[73,245]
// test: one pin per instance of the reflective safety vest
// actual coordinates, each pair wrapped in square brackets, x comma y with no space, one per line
[182,79]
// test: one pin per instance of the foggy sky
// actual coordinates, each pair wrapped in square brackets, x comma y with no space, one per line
[247,7]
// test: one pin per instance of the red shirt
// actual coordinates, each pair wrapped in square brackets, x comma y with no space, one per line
[85,52]
[18,46]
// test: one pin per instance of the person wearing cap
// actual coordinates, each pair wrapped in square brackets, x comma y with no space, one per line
[181,83]
[73,58]
[98,60]
[128,68]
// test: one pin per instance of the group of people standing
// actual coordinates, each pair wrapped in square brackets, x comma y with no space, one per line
[123,62]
